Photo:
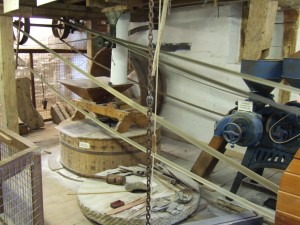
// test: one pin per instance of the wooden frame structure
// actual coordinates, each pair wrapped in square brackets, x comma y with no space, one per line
[20,180]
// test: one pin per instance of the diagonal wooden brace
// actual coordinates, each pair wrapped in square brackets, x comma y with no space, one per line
[126,118]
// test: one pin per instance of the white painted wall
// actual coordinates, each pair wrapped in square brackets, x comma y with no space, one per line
[215,38]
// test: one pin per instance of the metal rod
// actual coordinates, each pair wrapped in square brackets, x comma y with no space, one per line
[59,26]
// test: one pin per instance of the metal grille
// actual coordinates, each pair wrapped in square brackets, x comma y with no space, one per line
[20,183]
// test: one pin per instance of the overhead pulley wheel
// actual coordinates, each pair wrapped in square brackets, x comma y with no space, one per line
[60,29]
[24,24]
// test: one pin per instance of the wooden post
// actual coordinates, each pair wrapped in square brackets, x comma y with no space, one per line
[245,16]
[32,80]
[260,28]
[291,25]
[7,76]
[206,163]
[93,24]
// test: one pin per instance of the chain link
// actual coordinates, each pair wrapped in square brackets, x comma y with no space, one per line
[149,101]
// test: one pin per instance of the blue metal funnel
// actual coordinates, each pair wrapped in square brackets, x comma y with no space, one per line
[266,69]
[291,71]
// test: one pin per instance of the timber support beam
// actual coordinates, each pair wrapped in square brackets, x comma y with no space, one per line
[8,97]
[260,26]
[290,35]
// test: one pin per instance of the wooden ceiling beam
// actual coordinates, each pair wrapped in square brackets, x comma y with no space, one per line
[74,1]
[184,3]
[56,10]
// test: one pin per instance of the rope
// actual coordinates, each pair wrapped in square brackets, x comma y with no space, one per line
[268,214]
[162,22]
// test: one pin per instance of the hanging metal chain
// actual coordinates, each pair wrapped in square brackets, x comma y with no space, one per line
[149,102]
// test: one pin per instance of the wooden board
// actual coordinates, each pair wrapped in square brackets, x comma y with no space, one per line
[291,183]
[294,167]
[283,218]
[288,203]
[95,206]
[27,113]
[206,163]
[288,198]
[88,149]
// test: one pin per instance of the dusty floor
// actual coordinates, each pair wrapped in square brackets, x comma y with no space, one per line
[61,207]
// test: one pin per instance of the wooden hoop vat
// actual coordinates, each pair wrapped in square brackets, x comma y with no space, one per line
[89,149]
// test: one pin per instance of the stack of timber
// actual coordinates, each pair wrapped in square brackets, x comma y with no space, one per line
[61,111]
[288,199]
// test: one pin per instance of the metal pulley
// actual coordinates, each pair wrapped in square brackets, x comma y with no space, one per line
[241,128]
[60,29]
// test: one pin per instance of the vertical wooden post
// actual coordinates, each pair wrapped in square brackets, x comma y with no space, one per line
[260,26]
[32,80]
[8,96]
[291,26]
[91,43]
[245,16]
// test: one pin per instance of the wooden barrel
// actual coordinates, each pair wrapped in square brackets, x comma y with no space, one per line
[89,149]
[288,198]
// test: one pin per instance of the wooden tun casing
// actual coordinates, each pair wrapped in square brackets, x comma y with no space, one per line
[91,152]
[288,199]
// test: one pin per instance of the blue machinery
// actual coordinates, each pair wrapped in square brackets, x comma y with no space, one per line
[272,136]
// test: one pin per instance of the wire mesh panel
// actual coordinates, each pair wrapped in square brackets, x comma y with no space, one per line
[52,70]
[21,200]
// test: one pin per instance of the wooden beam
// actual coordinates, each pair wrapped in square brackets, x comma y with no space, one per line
[57,10]
[8,98]
[260,28]
[129,3]
[65,51]
[245,16]
[93,24]
[74,1]
[290,35]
